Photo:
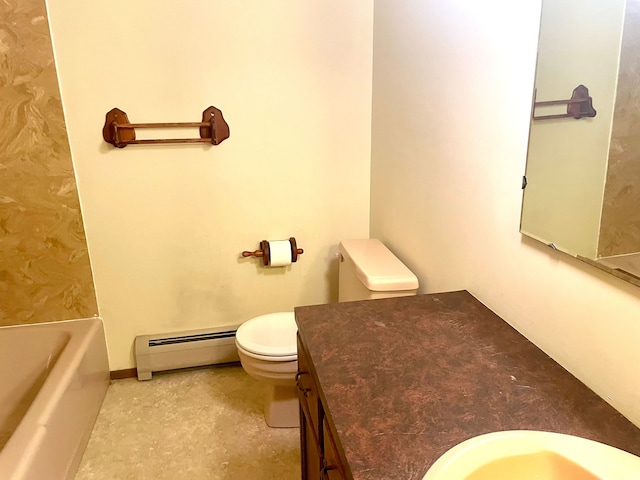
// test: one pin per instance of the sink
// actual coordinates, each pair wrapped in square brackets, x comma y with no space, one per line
[533,455]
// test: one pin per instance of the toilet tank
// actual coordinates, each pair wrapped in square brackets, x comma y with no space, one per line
[369,270]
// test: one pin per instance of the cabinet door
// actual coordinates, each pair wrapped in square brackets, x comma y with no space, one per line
[310,449]
[331,466]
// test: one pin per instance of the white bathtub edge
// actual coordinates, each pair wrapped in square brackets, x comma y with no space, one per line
[51,438]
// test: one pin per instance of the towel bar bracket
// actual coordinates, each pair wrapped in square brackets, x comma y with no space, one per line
[119,132]
[580,105]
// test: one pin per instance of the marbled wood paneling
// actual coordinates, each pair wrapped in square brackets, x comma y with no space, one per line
[620,223]
[45,273]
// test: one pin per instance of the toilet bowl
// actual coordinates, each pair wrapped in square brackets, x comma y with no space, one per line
[267,344]
[268,352]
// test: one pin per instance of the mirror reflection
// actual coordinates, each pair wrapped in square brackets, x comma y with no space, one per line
[582,193]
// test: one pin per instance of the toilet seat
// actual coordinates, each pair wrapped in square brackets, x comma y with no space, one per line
[269,337]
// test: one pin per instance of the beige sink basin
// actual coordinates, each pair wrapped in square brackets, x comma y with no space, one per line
[533,455]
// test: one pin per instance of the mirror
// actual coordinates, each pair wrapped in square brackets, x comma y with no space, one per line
[582,180]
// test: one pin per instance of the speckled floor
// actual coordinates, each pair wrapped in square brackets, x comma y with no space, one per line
[203,424]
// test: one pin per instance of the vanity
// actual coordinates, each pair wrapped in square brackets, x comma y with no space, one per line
[387,386]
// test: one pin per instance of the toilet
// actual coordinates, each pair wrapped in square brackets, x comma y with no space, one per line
[267,344]
[268,352]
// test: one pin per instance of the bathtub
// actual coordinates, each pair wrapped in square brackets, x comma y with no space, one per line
[53,379]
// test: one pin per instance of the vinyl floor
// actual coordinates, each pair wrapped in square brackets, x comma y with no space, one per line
[199,424]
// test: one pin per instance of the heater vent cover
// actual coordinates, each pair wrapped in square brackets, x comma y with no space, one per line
[191,338]
[155,353]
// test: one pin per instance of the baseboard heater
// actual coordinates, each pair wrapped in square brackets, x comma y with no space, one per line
[194,348]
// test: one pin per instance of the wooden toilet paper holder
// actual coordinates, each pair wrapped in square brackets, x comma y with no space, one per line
[266,254]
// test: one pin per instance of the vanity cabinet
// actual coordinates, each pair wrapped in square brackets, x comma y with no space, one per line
[387,386]
[319,454]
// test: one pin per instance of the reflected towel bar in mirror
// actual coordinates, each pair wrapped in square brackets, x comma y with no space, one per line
[119,132]
[580,105]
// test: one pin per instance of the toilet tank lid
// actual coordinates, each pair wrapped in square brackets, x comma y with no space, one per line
[376,267]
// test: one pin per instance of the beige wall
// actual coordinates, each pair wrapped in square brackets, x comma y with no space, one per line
[451,103]
[44,267]
[567,158]
[166,224]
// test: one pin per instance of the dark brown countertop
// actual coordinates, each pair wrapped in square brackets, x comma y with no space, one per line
[405,379]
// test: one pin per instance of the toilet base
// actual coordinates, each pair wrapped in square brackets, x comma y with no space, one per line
[281,407]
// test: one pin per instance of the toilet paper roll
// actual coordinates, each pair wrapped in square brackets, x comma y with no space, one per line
[279,253]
